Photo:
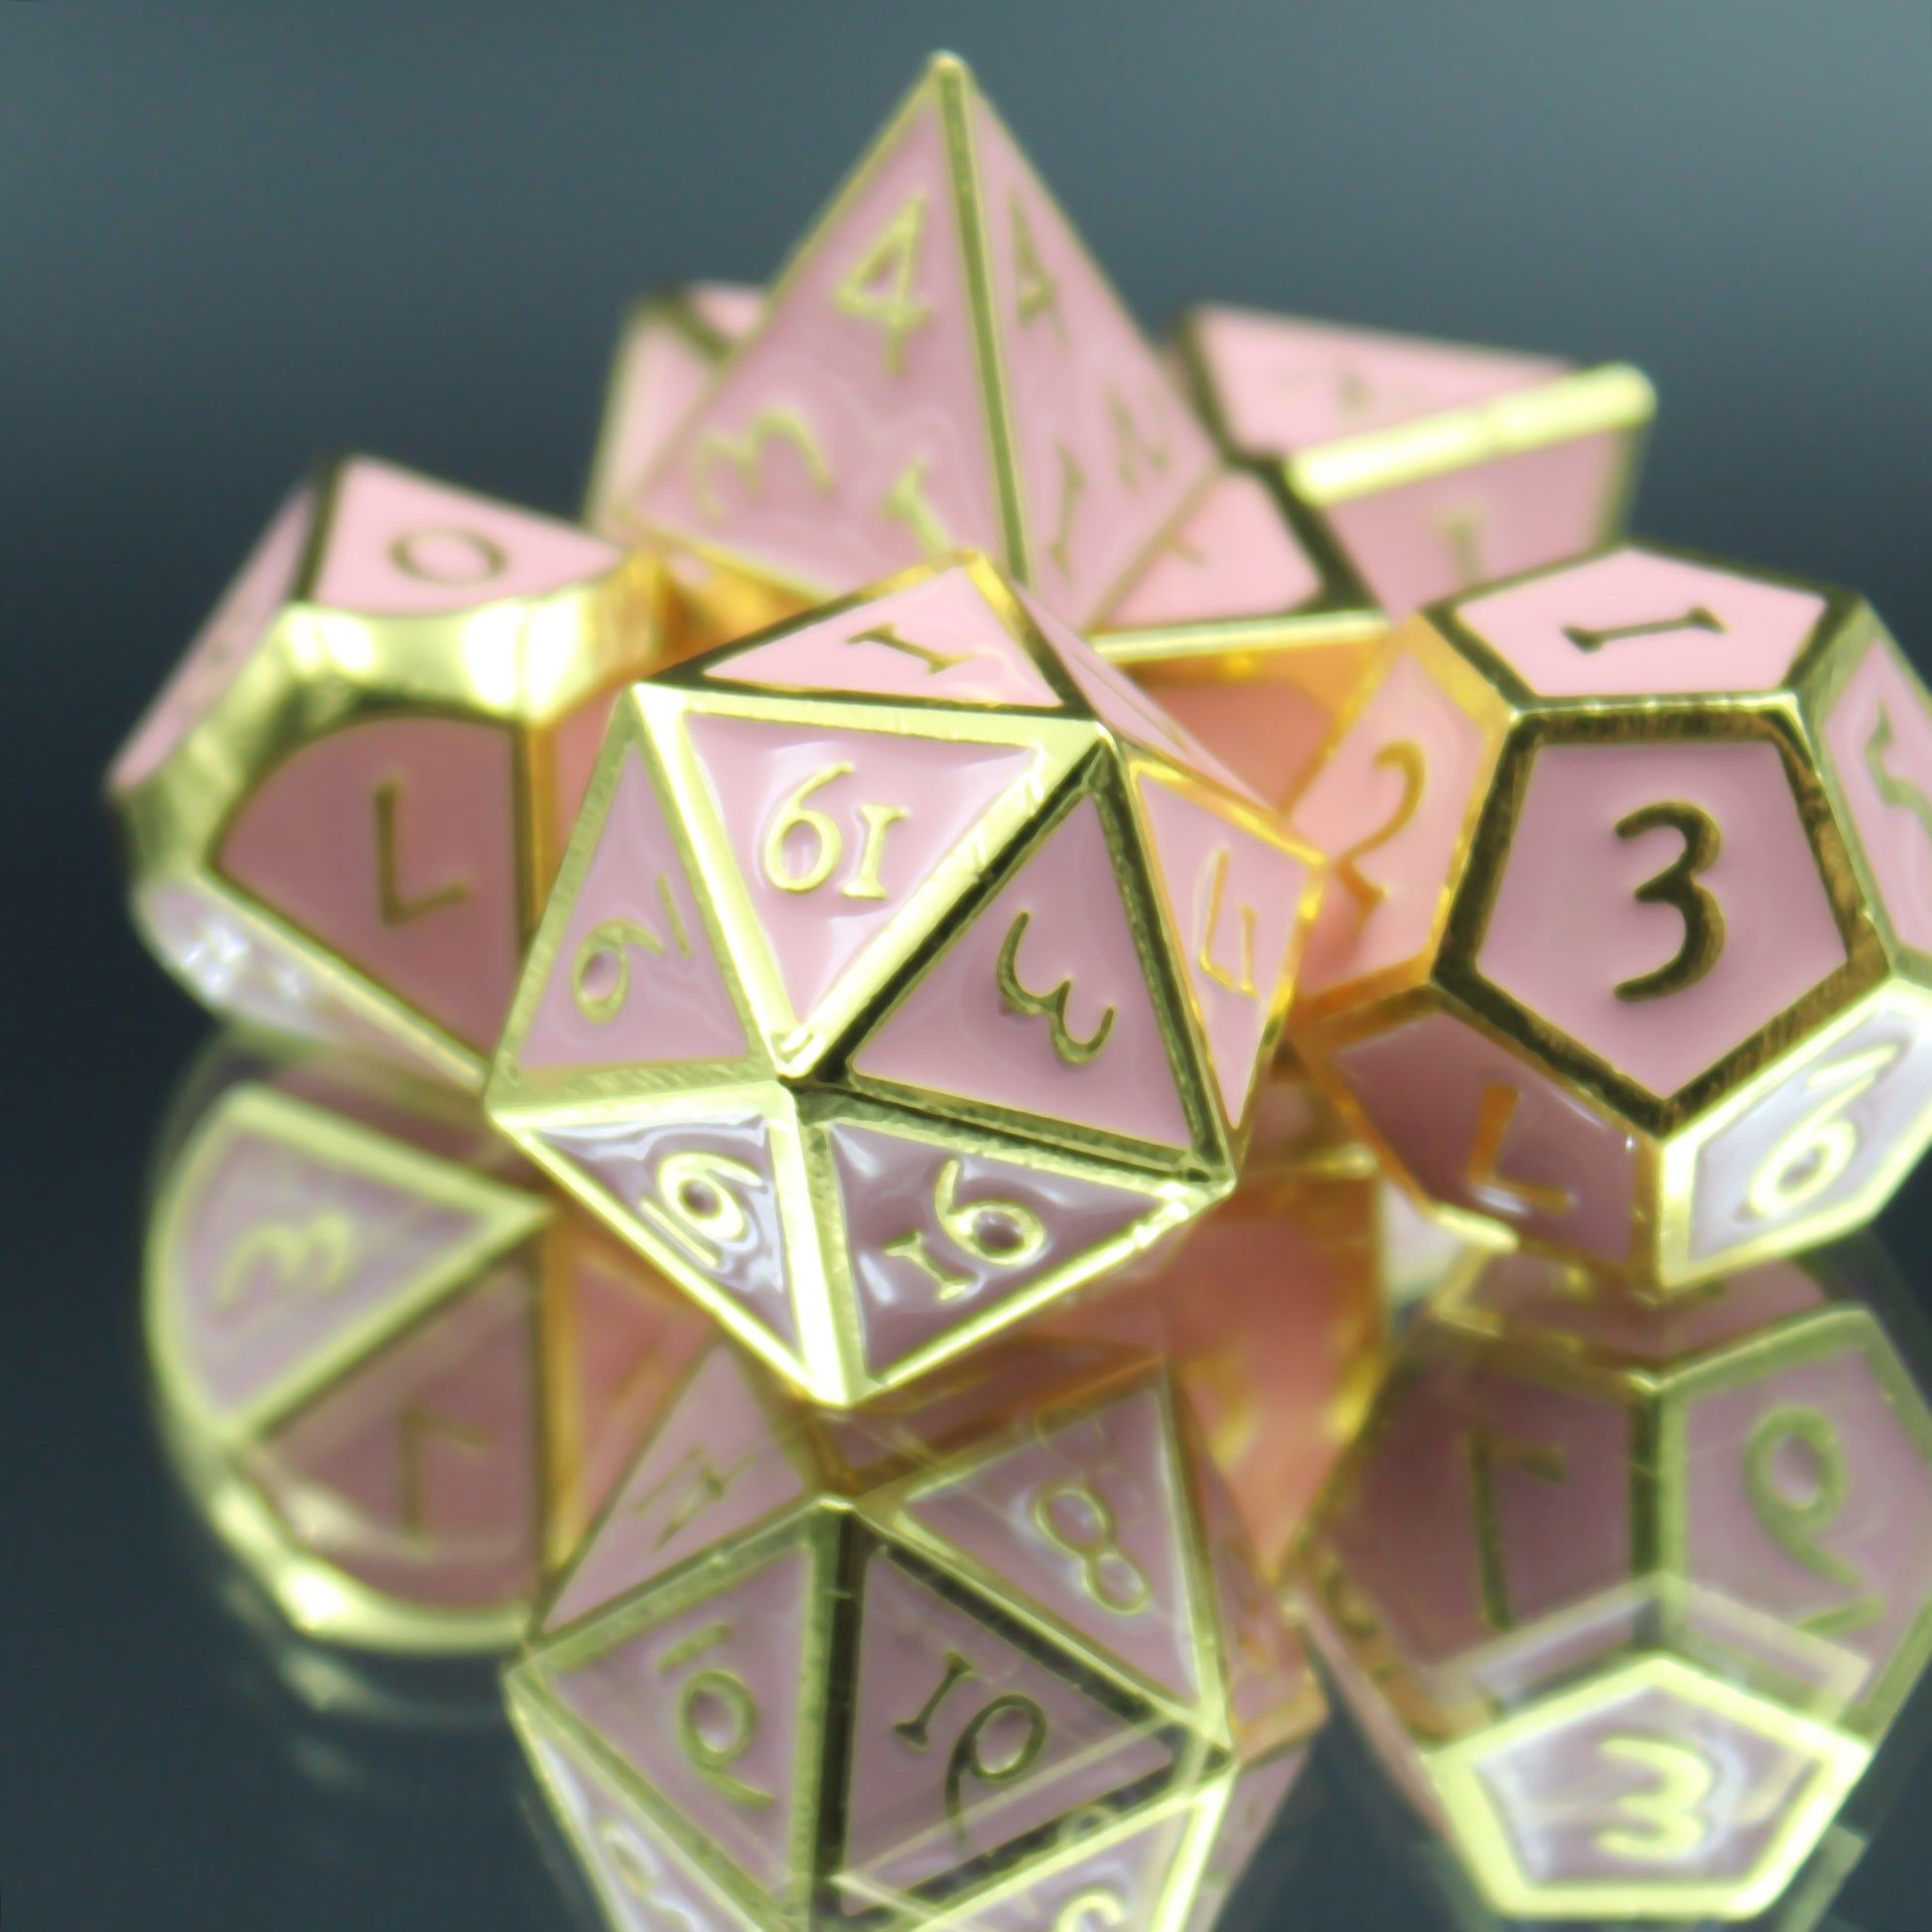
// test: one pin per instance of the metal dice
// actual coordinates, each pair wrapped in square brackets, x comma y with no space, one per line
[1623,1595]
[1632,882]
[999,1659]
[906,969]
[343,812]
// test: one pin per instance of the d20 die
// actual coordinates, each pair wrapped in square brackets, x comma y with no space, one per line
[341,813]
[968,1660]
[1623,952]
[398,1374]
[907,969]
[1432,465]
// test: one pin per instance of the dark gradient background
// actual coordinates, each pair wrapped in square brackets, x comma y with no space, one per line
[233,236]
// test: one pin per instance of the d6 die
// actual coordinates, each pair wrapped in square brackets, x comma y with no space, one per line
[907,968]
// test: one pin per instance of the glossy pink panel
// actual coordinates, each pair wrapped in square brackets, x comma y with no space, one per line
[705,1707]
[938,640]
[659,376]
[1282,383]
[1109,455]
[1234,556]
[1234,902]
[703,1195]
[395,845]
[1579,926]
[1089,1522]
[635,980]
[572,749]
[240,620]
[1478,1129]
[847,437]
[1636,623]
[1040,1004]
[418,1474]
[936,1238]
[1819,1139]
[731,308]
[895,809]
[1008,1706]
[1878,736]
[1387,808]
[1116,1887]
[1260,1792]
[398,545]
[1265,732]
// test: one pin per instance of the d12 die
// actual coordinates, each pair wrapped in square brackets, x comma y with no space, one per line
[341,813]
[397,1373]
[1434,467]
[965,1661]
[1627,1622]
[907,968]
[939,365]
[1634,874]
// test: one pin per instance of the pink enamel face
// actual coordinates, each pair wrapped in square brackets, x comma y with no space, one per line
[1635,623]
[1119,1884]
[1849,1114]
[1659,904]
[1478,1128]
[1878,736]
[1267,732]
[660,374]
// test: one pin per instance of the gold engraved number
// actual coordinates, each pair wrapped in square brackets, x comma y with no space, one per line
[1795,1523]
[453,557]
[881,288]
[746,455]
[635,1872]
[1097,1905]
[828,842]
[1108,1575]
[1051,1007]
[1034,292]
[1405,757]
[996,1233]
[907,503]
[1073,484]
[599,975]
[697,1206]
[717,1717]
[969,1758]
[397,908]
[1494,1112]
[315,1255]
[1695,619]
[1663,1819]
[709,1485]
[1892,789]
[1815,1153]
[1461,528]
[934,662]
[416,1427]
[1242,980]
[1677,886]
[1134,450]
[1486,1453]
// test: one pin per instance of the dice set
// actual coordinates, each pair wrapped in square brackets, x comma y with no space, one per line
[892,1022]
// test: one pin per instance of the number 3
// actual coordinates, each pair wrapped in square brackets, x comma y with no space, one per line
[1677,886]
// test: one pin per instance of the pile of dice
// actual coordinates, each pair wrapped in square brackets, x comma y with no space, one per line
[977,793]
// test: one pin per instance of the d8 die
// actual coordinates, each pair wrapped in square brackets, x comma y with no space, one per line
[1624,1602]
[343,812]
[396,1372]
[965,1662]
[1432,465]
[1634,874]
[906,969]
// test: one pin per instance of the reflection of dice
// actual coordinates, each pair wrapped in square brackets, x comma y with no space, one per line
[1624,1592]
[344,808]
[1000,1658]
[1630,941]
[398,1374]
[906,969]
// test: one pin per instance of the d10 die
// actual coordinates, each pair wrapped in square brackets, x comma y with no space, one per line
[343,810]
[965,1662]
[907,968]
[1633,877]
[1434,467]
[1626,1623]
[940,364]
[397,1373]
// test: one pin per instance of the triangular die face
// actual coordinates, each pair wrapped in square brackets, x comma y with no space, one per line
[1089,1522]
[1108,453]
[937,641]
[713,1466]
[705,1707]
[943,1696]
[633,980]
[1117,1886]
[396,544]
[701,1196]
[835,833]
[1235,901]
[938,1236]
[847,437]
[1041,1006]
